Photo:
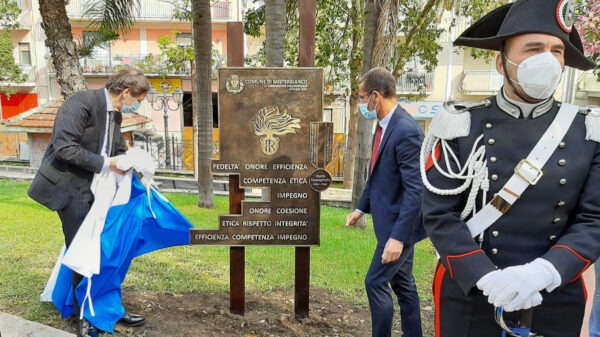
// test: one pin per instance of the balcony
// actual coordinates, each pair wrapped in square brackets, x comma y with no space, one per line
[589,84]
[481,82]
[103,65]
[152,10]
[415,82]
[25,22]
[29,71]
[221,11]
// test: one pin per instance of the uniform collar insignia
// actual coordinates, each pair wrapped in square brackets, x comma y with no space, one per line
[515,111]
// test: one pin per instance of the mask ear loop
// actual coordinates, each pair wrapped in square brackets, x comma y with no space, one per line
[510,81]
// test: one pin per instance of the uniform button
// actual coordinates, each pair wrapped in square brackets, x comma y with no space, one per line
[562,145]
[556,220]
[495,234]
[563,181]
[561,203]
[562,162]
[488,126]
[491,141]
[494,177]
[494,251]
[552,237]
[493,159]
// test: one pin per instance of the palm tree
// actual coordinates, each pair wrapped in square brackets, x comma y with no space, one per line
[62,47]
[356,61]
[202,99]
[363,129]
[110,17]
[275,22]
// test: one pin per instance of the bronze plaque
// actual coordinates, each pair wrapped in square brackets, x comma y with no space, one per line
[272,135]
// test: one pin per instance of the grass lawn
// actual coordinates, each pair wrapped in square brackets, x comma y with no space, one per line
[31,238]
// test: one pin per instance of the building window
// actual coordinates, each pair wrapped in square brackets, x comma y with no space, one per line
[183,39]
[25,54]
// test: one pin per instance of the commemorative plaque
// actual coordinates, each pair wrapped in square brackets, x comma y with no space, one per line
[272,136]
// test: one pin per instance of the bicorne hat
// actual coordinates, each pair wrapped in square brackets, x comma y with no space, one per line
[553,17]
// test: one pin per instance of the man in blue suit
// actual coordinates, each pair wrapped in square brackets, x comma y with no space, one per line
[392,195]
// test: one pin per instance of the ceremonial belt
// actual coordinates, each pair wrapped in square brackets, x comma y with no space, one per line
[527,172]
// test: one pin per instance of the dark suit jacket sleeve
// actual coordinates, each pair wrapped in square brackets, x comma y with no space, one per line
[364,203]
[458,251]
[72,127]
[408,149]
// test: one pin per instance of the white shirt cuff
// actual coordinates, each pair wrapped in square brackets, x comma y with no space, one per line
[106,165]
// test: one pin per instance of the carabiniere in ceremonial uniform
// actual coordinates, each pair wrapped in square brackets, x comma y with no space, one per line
[472,151]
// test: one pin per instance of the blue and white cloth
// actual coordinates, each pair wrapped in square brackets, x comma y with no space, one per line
[126,220]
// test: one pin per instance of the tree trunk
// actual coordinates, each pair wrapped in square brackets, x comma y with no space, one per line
[275,26]
[364,129]
[355,71]
[202,99]
[62,48]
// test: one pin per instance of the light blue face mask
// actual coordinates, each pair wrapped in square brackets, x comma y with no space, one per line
[364,110]
[131,107]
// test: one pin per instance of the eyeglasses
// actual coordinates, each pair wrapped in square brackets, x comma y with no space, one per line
[360,98]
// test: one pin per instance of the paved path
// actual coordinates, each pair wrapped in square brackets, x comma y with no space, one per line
[332,196]
[13,326]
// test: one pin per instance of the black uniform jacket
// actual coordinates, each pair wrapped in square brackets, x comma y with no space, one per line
[74,152]
[557,219]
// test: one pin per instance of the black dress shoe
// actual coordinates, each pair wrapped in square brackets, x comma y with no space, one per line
[85,329]
[132,320]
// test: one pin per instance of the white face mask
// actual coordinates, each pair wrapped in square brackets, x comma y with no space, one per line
[538,75]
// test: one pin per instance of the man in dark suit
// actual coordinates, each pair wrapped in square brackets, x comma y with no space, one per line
[392,195]
[86,139]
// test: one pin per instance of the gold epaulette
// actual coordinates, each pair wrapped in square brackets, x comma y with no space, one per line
[454,119]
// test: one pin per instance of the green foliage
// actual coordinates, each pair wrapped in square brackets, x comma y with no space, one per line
[112,15]
[422,31]
[334,28]
[254,21]
[9,14]
[175,56]
[150,65]
[109,20]
[93,39]
[474,10]
[9,71]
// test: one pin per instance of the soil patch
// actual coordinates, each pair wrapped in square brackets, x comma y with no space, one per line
[267,315]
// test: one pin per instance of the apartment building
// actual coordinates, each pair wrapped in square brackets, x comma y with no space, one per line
[139,47]
[457,77]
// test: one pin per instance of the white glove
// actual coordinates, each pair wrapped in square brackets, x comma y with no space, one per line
[518,287]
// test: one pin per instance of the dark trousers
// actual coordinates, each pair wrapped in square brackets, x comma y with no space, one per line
[397,276]
[72,217]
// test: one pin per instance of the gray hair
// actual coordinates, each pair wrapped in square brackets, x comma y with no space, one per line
[131,78]
[381,80]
